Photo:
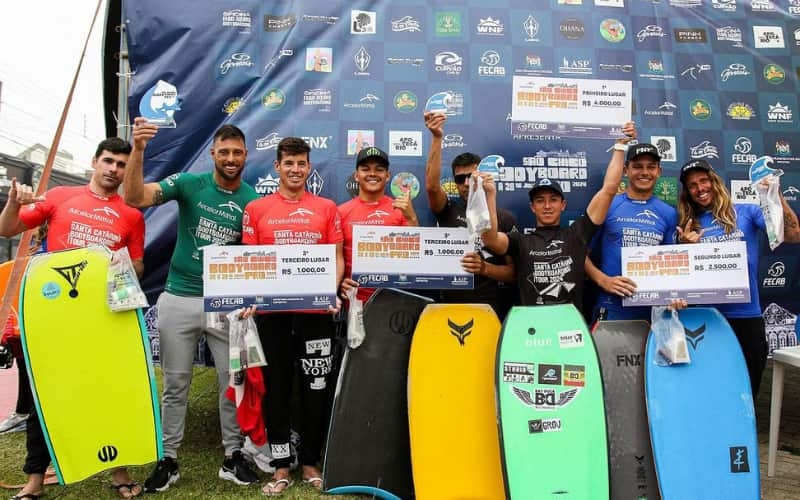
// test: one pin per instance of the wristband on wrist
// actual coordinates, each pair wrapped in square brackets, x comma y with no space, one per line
[618,146]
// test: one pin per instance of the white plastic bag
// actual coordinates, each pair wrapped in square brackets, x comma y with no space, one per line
[670,337]
[766,182]
[355,320]
[123,292]
[243,343]
[478,219]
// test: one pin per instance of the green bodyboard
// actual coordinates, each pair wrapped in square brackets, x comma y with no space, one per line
[550,406]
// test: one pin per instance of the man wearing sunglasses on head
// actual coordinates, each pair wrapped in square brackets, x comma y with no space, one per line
[491,271]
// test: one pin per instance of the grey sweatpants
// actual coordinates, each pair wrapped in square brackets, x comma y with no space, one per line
[181,322]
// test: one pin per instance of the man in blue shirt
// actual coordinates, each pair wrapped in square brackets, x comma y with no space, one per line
[635,218]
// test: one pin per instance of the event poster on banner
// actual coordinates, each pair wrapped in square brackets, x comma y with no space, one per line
[273,277]
[701,273]
[411,257]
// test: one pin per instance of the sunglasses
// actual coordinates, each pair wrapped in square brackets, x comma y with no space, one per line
[461,178]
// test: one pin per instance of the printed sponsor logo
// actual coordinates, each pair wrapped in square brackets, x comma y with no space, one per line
[775,276]
[520,373]
[545,399]
[321,347]
[739,460]
[574,375]
[690,35]
[490,27]
[570,339]
[405,24]
[279,23]
[363,22]
[694,337]
[549,374]
[544,425]
[572,29]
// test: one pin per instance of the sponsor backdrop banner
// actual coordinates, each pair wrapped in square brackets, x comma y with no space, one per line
[711,79]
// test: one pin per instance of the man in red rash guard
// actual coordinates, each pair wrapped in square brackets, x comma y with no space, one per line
[78,216]
[293,216]
[371,207]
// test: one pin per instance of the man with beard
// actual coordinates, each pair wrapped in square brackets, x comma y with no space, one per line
[635,218]
[210,207]
[67,210]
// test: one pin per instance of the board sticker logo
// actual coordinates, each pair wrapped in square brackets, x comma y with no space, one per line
[460,332]
[51,290]
[574,375]
[568,340]
[544,425]
[72,274]
[520,373]
[401,323]
[107,453]
[739,461]
[695,336]
[544,399]
[549,374]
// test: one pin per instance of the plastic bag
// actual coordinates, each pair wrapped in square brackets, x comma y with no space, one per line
[766,182]
[355,320]
[244,346]
[123,290]
[478,219]
[670,337]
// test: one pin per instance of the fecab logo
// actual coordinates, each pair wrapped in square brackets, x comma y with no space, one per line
[730,34]
[531,27]
[448,62]
[724,5]
[775,276]
[650,31]
[779,113]
[363,22]
[274,24]
[690,35]
[768,37]
[237,19]
[273,99]
[405,24]
[774,74]
[734,70]
[362,58]
[231,105]
[740,111]
[405,101]
[490,64]
[700,109]
[612,30]
[742,154]
[448,23]
[490,27]
[762,6]
[704,150]
[794,7]
[572,29]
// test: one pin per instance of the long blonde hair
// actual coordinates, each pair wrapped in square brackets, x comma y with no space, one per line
[721,208]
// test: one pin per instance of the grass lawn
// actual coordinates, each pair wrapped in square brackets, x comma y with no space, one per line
[200,458]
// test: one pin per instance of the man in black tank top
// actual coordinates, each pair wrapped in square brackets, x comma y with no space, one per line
[492,272]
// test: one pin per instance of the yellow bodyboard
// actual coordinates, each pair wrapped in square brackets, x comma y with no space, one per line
[455,448]
[90,368]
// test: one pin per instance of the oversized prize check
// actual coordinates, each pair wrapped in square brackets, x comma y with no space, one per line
[411,257]
[273,277]
[700,273]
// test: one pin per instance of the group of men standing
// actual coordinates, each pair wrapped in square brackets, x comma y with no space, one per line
[546,266]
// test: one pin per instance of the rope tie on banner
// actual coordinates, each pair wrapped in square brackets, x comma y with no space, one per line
[17,270]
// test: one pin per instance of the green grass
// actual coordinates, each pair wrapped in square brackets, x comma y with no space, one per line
[200,457]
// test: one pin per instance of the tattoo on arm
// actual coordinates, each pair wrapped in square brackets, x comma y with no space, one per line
[158,197]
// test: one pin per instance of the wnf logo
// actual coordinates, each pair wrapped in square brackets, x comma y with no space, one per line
[460,331]
[107,453]
[695,336]
[72,274]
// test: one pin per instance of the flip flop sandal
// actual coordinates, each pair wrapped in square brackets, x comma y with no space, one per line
[315,482]
[270,488]
[28,496]
[129,487]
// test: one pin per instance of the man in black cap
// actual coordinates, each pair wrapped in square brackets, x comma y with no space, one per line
[549,262]
[635,218]
[373,207]
[494,274]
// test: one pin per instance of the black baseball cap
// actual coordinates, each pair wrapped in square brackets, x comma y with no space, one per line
[695,165]
[545,184]
[372,152]
[642,148]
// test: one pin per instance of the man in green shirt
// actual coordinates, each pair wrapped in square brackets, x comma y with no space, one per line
[210,207]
